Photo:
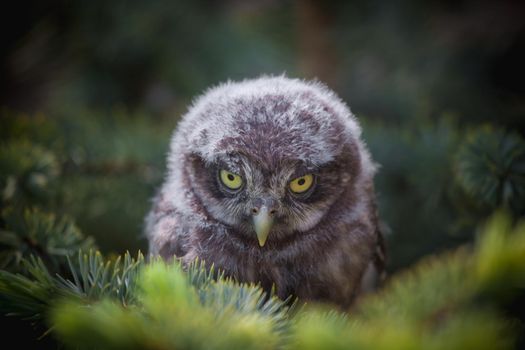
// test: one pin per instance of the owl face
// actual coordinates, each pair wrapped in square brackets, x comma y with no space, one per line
[267,203]
[268,182]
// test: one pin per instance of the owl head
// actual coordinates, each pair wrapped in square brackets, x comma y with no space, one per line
[267,157]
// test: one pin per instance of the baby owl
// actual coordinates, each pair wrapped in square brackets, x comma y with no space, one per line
[269,180]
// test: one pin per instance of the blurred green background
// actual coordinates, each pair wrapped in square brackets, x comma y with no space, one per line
[95,88]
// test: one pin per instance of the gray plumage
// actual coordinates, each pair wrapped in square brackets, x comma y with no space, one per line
[315,244]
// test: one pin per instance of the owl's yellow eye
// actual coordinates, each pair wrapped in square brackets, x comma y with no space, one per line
[302,184]
[230,180]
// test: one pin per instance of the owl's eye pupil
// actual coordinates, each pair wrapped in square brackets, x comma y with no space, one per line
[231,177]
[301,182]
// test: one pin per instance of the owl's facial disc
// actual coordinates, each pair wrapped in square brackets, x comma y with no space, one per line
[262,199]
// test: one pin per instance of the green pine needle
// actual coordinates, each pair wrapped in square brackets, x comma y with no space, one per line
[490,167]
[172,313]
[34,232]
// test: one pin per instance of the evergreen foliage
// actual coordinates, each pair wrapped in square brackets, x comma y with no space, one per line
[53,275]
[34,233]
[491,169]
[98,168]
[451,301]
[28,173]
[172,313]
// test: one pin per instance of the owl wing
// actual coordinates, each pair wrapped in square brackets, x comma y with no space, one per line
[375,272]
[380,255]
[163,229]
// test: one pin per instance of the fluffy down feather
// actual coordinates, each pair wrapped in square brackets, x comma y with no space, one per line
[270,130]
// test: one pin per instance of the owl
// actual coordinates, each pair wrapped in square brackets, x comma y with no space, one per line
[268,180]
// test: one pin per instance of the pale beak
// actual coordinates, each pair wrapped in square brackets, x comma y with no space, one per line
[262,222]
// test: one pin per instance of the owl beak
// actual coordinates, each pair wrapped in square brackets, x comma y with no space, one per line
[262,222]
